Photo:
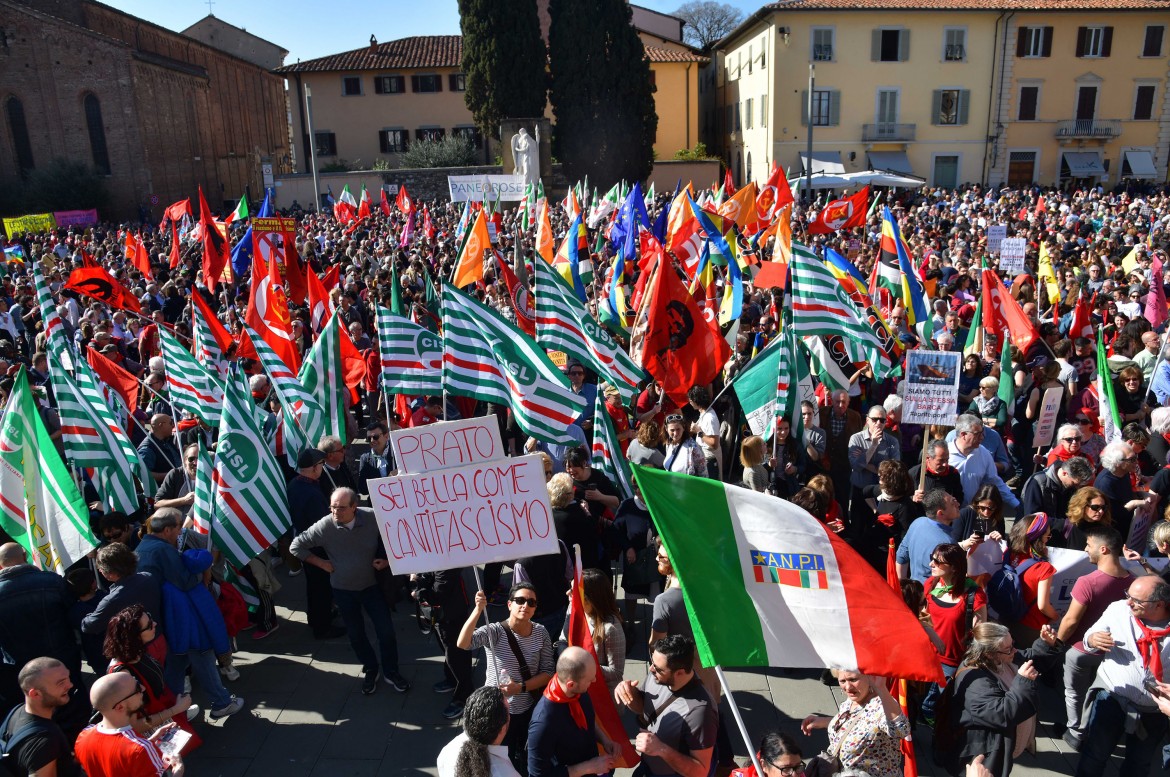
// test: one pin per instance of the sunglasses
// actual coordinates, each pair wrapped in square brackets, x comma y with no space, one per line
[150,624]
[139,689]
[1084,421]
[876,417]
[673,418]
[521,601]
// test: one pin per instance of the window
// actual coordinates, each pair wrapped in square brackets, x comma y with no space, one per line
[763,58]
[389,84]
[1034,42]
[1029,102]
[430,133]
[748,170]
[97,134]
[393,141]
[822,44]
[1152,47]
[750,58]
[887,107]
[351,85]
[749,112]
[955,44]
[950,107]
[471,133]
[1143,103]
[431,83]
[890,46]
[738,117]
[325,143]
[826,107]
[1094,41]
[763,110]
[457,82]
[19,129]
[946,171]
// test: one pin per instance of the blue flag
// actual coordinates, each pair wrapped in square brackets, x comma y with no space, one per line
[242,254]
[630,216]
[266,206]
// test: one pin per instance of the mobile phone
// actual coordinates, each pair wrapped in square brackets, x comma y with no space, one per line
[1151,685]
[978,535]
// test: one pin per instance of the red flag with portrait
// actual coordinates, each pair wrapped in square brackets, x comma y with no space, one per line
[841,214]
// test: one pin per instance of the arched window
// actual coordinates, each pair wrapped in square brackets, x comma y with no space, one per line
[97,134]
[19,129]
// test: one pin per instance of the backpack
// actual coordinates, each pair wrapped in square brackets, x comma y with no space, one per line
[1005,592]
[949,735]
[8,745]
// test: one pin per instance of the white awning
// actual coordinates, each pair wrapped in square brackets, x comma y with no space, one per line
[1083,164]
[890,162]
[1140,164]
[823,162]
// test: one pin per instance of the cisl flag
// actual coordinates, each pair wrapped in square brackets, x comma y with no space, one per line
[841,214]
[766,584]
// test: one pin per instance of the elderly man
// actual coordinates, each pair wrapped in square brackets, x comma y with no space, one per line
[939,472]
[1132,636]
[1118,463]
[112,748]
[349,537]
[840,423]
[974,462]
[1049,490]
[867,450]
[336,473]
[158,451]
[562,737]
[177,489]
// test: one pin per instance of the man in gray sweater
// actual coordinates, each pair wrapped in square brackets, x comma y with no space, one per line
[349,537]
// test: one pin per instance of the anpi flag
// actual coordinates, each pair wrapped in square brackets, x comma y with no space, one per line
[766,584]
[841,214]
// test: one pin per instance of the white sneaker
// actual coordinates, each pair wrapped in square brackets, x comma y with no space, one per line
[230,672]
[193,712]
[231,708]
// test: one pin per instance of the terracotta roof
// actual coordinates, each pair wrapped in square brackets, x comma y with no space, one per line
[420,51]
[968,5]
[657,54]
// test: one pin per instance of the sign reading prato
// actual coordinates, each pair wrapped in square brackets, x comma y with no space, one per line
[446,444]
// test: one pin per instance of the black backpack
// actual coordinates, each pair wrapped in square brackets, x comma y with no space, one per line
[9,744]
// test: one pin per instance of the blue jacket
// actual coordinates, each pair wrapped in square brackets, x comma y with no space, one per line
[555,742]
[140,588]
[191,618]
[163,562]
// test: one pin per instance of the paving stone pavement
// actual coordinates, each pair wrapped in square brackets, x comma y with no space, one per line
[306,715]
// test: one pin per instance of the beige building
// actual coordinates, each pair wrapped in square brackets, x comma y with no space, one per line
[936,92]
[237,41]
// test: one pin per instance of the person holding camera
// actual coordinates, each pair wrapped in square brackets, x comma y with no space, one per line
[446,595]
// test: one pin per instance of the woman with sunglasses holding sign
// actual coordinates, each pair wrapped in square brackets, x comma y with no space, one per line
[519,661]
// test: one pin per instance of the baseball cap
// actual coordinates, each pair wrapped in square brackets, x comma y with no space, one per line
[309,457]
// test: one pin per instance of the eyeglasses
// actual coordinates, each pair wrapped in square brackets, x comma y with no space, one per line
[1129,460]
[1084,421]
[1007,651]
[521,601]
[137,690]
[191,459]
[1095,507]
[787,771]
[876,417]
[335,508]
[375,437]
[1070,440]
[1142,602]
[150,624]
[938,562]
[659,671]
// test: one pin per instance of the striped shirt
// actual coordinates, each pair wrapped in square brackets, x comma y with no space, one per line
[501,659]
[120,752]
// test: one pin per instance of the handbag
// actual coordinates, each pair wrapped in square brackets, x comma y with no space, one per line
[828,762]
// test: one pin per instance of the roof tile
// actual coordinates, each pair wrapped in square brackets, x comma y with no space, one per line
[969,5]
[657,54]
[420,51]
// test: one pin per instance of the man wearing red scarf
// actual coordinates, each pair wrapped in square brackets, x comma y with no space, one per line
[562,740]
[1134,637]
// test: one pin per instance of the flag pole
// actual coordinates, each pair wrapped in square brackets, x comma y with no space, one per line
[738,718]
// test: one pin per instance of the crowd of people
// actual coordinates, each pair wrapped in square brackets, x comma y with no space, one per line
[154,608]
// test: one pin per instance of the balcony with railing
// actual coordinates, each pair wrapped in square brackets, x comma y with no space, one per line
[874,133]
[1089,128]
[823,53]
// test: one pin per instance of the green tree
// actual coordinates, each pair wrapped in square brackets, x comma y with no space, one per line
[600,92]
[503,60]
[448,151]
[64,185]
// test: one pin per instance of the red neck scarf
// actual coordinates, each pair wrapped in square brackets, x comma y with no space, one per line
[1147,645]
[556,694]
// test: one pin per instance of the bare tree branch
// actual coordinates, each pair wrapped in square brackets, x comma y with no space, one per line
[706,22]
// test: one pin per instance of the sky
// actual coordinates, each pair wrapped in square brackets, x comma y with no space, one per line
[314,29]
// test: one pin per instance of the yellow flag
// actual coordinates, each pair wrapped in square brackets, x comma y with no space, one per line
[1130,262]
[544,233]
[1049,275]
[470,267]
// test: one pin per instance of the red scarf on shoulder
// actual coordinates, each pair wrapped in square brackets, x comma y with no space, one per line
[556,694]
[1148,647]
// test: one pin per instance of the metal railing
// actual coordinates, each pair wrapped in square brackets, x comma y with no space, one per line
[881,132]
[955,52]
[1088,128]
[823,53]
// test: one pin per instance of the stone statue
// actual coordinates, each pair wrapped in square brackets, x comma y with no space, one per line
[526,155]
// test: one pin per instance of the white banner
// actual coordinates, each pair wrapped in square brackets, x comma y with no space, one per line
[932,387]
[459,517]
[508,188]
[1046,424]
[1012,251]
[446,444]
[995,235]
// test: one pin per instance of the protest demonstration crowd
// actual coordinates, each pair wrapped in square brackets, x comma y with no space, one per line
[917,439]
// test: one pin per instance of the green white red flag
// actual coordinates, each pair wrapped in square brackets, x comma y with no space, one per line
[607,450]
[40,505]
[412,356]
[56,344]
[203,510]
[300,411]
[1110,418]
[323,378]
[192,388]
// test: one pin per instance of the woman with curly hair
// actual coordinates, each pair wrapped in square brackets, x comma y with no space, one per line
[894,511]
[1088,507]
[480,750]
[646,448]
[127,636]
[823,484]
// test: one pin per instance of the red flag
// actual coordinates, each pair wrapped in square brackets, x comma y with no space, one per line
[404,201]
[353,364]
[363,211]
[268,314]
[320,305]
[842,214]
[115,376]
[896,686]
[604,709]
[176,212]
[1041,206]
[402,410]
[1003,314]
[295,276]
[136,254]
[1155,311]
[519,297]
[223,338]
[385,204]
[774,196]
[97,283]
[175,255]
[87,259]
[1022,215]
[678,348]
[728,184]
[428,225]
[216,249]
[332,277]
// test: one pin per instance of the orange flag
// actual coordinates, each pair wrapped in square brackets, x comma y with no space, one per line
[469,269]
[544,233]
[741,208]
[136,254]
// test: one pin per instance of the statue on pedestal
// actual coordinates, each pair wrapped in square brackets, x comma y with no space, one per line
[526,155]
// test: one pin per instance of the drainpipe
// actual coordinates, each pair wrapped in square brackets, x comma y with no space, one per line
[1004,17]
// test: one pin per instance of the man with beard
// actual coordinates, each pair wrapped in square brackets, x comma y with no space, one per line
[35,742]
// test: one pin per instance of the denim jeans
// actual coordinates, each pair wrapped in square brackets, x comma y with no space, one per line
[205,672]
[1105,728]
[351,604]
[935,690]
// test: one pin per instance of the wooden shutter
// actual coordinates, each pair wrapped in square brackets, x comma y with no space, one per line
[1028,100]
[1082,40]
[964,103]
[935,106]
[834,108]
[1047,46]
[1152,47]
[875,46]
[903,45]
[1107,41]
[1022,42]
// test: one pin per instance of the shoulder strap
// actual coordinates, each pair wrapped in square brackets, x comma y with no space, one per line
[37,725]
[646,719]
[7,720]
[525,672]
[969,598]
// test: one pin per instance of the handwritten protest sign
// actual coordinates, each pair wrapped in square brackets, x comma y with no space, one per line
[447,444]
[995,235]
[1012,251]
[932,387]
[475,514]
[1046,424]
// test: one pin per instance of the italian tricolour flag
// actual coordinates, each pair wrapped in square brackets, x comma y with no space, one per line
[766,584]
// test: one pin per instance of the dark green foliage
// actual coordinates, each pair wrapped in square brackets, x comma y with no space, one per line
[504,61]
[449,151]
[601,93]
[60,185]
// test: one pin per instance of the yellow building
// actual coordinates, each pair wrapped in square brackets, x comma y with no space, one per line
[935,91]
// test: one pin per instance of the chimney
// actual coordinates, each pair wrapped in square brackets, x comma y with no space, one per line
[373,45]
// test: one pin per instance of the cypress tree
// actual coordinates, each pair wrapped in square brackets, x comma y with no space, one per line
[600,91]
[503,60]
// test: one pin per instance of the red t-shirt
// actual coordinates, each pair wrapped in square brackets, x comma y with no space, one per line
[1030,586]
[1095,591]
[118,753]
[950,621]
[421,417]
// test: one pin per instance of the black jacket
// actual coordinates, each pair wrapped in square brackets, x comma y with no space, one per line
[370,468]
[445,590]
[1044,493]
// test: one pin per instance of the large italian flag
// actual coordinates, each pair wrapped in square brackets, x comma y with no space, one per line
[766,584]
